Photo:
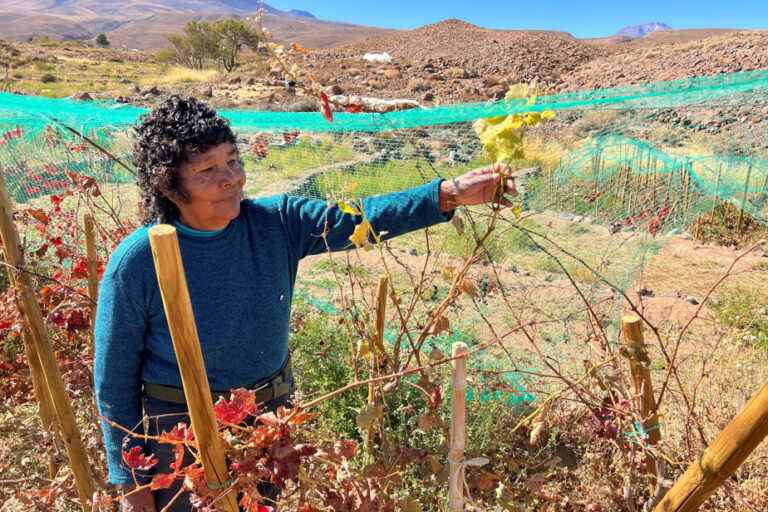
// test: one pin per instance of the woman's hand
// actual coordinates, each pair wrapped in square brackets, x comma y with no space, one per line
[479,186]
[139,501]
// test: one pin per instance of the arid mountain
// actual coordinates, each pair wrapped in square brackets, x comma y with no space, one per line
[643,30]
[143,24]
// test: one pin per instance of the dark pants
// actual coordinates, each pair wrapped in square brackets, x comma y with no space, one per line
[163,416]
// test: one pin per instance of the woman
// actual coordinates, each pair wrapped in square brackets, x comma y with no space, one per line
[240,258]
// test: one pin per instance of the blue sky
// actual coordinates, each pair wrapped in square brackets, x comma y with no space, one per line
[585,18]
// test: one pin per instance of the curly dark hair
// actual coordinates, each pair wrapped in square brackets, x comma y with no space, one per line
[164,139]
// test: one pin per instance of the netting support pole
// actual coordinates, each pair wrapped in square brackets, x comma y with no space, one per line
[377,352]
[458,428]
[716,201]
[45,405]
[186,343]
[744,199]
[49,377]
[721,459]
[93,274]
[635,350]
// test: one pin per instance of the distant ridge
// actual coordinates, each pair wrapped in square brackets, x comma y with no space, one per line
[637,31]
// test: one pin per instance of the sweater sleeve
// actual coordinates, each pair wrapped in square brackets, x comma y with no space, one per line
[120,327]
[390,215]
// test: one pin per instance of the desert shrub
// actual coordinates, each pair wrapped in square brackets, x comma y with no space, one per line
[320,353]
[746,311]
[48,78]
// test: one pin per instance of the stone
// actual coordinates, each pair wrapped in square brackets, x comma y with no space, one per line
[413,252]
[456,72]
[691,300]
[428,96]
[334,90]
[82,96]
[392,73]
[153,91]
[418,85]
[644,292]
[206,92]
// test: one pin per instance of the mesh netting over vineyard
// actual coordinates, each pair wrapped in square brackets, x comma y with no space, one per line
[650,159]
[606,179]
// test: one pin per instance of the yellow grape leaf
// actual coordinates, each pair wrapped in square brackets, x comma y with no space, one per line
[360,236]
[350,187]
[349,208]
[363,348]
[517,211]
[448,272]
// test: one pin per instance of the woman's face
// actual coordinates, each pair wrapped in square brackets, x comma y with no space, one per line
[213,182]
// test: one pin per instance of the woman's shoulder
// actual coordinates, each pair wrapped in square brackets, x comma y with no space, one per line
[132,252]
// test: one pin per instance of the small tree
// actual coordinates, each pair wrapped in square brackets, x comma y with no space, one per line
[233,36]
[102,40]
[203,42]
[198,45]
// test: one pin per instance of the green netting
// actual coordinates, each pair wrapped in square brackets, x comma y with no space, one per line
[639,163]
[35,113]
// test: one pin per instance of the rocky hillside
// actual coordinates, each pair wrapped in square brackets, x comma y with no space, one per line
[725,53]
[451,61]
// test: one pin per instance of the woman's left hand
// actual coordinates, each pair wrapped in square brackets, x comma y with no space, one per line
[478,186]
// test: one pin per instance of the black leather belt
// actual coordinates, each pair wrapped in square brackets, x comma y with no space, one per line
[267,389]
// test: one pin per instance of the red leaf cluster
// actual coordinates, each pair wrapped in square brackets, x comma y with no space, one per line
[136,460]
[242,403]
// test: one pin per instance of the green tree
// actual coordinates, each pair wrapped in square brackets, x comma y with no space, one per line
[102,40]
[233,36]
[203,43]
[197,46]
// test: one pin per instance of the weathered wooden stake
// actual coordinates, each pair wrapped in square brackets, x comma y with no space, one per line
[44,404]
[377,350]
[632,328]
[186,344]
[41,344]
[458,429]
[716,200]
[744,199]
[721,459]
[90,251]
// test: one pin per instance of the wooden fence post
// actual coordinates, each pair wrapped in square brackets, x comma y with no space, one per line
[90,251]
[744,198]
[458,429]
[41,345]
[721,458]
[186,344]
[46,410]
[377,352]
[632,328]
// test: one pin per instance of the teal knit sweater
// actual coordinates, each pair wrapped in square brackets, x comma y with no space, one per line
[240,282]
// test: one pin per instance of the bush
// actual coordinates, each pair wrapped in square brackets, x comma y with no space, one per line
[48,78]
[744,310]
[102,40]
